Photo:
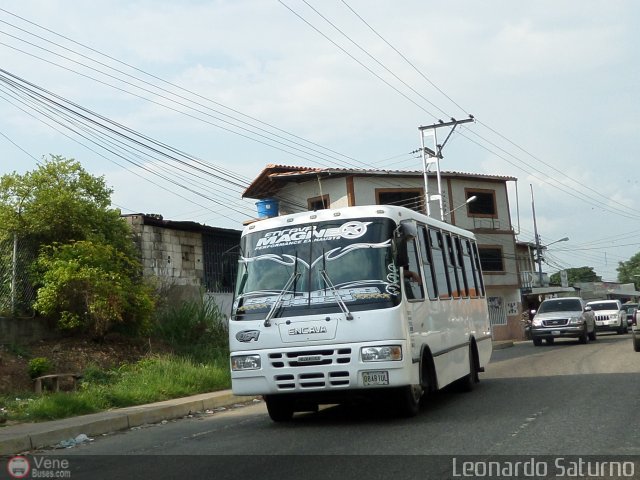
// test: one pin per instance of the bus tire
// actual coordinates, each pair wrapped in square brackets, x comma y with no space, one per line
[280,409]
[408,399]
[468,382]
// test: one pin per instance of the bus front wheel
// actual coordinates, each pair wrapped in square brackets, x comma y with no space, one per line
[280,409]
[408,399]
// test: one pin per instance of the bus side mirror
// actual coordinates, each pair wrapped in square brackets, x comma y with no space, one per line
[408,230]
[402,255]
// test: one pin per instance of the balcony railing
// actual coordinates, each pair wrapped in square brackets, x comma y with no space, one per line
[529,279]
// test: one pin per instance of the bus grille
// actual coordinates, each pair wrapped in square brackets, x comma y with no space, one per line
[312,380]
[310,358]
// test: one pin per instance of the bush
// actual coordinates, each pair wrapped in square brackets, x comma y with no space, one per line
[39,366]
[192,323]
[96,376]
[93,287]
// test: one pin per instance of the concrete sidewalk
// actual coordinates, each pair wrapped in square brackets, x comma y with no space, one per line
[30,436]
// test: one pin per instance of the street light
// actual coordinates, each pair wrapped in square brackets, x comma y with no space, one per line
[539,248]
[561,240]
[468,201]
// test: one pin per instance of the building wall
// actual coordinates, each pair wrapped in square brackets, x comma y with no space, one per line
[299,193]
[172,255]
[505,312]
[172,258]
[456,188]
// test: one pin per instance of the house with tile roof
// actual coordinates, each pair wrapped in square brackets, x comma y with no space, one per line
[299,188]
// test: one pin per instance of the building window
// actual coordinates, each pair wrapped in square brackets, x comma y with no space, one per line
[412,198]
[484,205]
[318,203]
[491,259]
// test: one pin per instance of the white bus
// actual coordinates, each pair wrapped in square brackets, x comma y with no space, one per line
[374,301]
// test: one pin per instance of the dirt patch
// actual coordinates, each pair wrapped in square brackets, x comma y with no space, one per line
[70,355]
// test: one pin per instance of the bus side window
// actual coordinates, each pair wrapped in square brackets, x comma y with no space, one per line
[412,274]
[462,268]
[478,268]
[453,268]
[440,264]
[470,275]
[430,277]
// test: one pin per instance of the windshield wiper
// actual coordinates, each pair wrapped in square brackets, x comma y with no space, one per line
[293,278]
[336,295]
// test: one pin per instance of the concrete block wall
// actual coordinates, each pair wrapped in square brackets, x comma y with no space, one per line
[174,256]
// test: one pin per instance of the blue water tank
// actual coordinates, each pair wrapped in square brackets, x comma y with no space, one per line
[267,207]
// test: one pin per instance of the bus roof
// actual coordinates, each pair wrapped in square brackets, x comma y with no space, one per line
[393,212]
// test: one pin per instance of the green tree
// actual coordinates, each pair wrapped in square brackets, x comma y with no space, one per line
[86,274]
[577,275]
[60,202]
[628,271]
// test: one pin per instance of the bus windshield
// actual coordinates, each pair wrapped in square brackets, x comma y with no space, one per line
[316,268]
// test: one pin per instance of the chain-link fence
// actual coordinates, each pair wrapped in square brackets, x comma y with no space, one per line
[17,293]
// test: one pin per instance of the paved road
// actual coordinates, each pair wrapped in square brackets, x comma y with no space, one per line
[565,399]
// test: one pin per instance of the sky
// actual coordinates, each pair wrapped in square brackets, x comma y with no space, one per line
[181,104]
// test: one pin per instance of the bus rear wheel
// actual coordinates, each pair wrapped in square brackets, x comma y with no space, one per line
[468,382]
[280,409]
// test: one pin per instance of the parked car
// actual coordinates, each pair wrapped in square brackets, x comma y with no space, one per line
[609,315]
[563,317]
[635,331]
[630,309]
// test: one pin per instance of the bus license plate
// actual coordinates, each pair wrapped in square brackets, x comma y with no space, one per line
[375,378]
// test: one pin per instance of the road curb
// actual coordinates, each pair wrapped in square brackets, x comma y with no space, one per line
[30,436]
[499,345]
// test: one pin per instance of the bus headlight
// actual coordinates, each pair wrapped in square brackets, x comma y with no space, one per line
[381,354]
[245,362]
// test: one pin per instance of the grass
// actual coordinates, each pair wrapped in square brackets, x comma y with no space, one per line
[198,335]
[149,380]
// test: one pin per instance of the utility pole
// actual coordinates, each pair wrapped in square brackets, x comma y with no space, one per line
[535,232]
[433,157]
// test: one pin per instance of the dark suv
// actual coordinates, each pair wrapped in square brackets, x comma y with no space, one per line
[563,317]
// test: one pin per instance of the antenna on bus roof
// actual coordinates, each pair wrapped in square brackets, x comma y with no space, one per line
[432,157]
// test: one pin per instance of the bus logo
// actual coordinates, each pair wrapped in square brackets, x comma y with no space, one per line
[307,330]
[247,335]
[18,467]
[353,230]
